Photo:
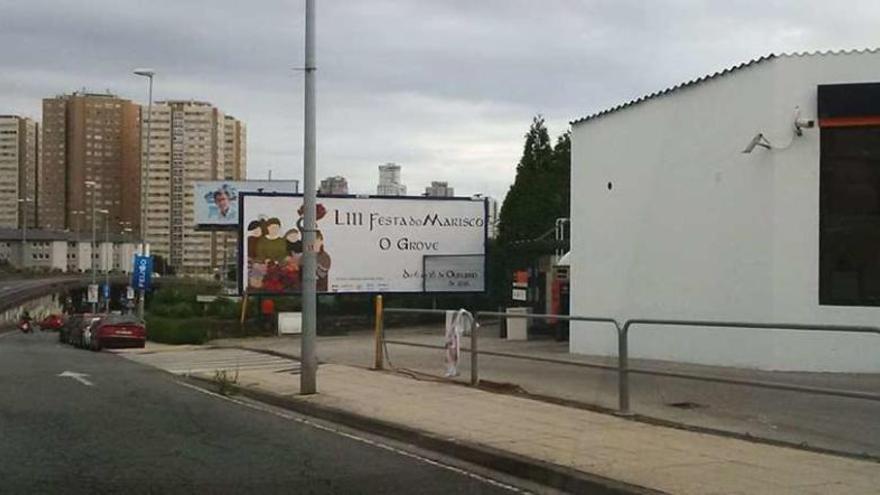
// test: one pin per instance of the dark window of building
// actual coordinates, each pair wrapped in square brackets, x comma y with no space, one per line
[849,239]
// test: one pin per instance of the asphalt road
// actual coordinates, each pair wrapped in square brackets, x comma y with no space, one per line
[137,430]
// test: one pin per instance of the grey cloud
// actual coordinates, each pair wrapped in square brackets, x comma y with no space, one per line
[446,88]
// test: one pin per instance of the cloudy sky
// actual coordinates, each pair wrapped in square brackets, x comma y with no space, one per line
[445,88]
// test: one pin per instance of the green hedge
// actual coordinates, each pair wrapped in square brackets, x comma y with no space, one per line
[178,330]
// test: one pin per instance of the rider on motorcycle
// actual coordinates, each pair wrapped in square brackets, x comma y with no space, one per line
[25,321]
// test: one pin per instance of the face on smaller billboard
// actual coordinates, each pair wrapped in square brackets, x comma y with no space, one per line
[215,203]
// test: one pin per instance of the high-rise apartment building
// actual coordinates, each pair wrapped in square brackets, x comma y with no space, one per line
[19,159]
[335,186]
[190,141]
[389,181]
[89,161]
[439,190]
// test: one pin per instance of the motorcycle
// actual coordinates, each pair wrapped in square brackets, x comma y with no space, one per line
[25,327]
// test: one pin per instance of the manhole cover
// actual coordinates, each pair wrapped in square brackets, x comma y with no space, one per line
[685,405]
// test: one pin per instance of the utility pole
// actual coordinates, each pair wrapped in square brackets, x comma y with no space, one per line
[91,185]
[308,375]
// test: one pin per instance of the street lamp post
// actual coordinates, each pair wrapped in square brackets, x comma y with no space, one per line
[106,214]
[309,365]
[90,184]
[145,177]
[22,206]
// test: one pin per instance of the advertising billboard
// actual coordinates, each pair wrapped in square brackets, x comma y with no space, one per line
[215,203]
[363,244]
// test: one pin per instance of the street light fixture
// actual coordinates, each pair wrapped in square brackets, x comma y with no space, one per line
[145,175]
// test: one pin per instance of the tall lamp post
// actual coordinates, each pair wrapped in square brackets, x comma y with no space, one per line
[309,365]
[106,214]
[22,206]
[90,184]
[145,177]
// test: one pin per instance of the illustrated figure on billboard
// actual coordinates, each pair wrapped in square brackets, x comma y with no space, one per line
[323,262]
[222,203]
[275,262]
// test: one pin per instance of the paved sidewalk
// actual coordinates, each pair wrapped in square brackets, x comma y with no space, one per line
[655,457]
[834,423]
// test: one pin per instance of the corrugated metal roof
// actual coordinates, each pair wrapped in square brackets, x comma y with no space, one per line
[720,73]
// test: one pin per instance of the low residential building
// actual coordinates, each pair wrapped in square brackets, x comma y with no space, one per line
[64,251]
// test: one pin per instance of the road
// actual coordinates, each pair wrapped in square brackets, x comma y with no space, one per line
[136,429]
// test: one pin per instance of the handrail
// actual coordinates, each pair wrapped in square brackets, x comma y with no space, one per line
[623,369]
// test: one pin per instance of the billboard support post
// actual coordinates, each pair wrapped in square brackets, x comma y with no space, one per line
[308,376]
[379,362]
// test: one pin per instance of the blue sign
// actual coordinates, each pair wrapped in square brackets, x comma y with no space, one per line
[106,288]
[143,272]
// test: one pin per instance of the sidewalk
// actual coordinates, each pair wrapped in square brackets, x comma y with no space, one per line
[833,423]
[654,457]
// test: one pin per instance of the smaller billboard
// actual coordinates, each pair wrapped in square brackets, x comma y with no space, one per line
[454,273]
[215,203]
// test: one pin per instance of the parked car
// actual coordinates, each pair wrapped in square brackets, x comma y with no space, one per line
[69,323]
[51,322]
[115,331]
[78,332]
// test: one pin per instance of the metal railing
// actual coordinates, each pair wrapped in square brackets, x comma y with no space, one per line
[623,368]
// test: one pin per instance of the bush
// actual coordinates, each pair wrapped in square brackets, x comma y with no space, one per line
[224,308]
[177,330]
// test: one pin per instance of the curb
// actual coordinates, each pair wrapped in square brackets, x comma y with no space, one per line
[541,472]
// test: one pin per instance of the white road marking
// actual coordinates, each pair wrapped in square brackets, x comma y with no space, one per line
[292,417]
[80,377]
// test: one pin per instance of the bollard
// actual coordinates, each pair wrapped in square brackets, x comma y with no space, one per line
[379,361]
[623,370]
[475,370]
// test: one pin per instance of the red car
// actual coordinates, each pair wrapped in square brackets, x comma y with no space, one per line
[51,322]
[117,331]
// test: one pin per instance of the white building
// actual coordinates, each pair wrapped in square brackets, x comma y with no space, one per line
[334,186]
[389,181]
[439,189]
[673,220]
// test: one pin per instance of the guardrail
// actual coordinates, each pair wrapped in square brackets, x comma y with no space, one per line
[623,368]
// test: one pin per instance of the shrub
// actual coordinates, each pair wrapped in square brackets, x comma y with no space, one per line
[177,330]
[224,308]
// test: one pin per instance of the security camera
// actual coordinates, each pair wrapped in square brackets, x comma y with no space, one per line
[801,124]
[758,140]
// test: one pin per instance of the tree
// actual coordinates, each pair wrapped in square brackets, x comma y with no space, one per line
[541,191]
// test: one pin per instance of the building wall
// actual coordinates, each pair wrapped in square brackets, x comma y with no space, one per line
[191,141]
[19,158]
[90,137]
[692,228]
[52,170]
[10,163]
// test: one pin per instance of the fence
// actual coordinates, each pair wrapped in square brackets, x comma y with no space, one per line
[623,368]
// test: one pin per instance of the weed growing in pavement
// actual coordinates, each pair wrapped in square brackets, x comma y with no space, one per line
[226,381]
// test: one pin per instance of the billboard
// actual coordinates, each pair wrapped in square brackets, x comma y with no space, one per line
[363,244]
[215,203]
